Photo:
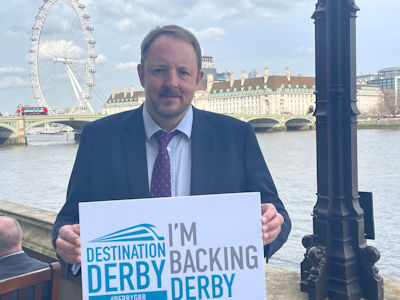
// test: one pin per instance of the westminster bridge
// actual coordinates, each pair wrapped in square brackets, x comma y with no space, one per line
[13,129]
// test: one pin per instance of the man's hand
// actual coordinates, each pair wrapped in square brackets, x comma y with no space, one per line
[271,222]
[68,243]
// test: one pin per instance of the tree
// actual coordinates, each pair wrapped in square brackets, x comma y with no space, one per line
[389,105]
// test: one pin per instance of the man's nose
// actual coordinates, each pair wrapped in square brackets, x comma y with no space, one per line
[172,79]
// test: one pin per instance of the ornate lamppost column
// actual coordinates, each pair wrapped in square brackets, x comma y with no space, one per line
[338,262]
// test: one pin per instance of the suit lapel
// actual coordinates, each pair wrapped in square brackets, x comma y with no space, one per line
[133,143]
[203,155]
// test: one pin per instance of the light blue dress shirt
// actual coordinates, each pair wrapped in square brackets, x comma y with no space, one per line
[179,150]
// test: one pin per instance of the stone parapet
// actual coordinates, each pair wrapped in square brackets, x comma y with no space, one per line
[37,226]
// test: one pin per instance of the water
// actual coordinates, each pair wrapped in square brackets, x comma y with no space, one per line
[291,157]
[37,175]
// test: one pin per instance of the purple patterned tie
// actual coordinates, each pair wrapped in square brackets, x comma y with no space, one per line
[161,177]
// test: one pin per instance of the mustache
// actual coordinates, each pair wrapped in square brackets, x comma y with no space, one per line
[168,92]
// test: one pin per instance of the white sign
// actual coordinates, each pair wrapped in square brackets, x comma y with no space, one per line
[183,248]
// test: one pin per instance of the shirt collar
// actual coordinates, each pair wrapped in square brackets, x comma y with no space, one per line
[184,126]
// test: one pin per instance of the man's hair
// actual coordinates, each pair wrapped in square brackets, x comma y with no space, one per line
[174,31]
[10,233]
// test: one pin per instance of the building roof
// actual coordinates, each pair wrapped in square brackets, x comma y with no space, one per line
[389,69]
[273,82]
[120,96]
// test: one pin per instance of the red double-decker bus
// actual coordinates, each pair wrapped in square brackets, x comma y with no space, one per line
[32,110]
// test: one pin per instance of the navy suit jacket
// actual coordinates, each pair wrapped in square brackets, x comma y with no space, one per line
[111,164]
[19,264]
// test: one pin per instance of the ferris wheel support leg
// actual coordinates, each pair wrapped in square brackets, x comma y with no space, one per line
[76,86]
[90,107]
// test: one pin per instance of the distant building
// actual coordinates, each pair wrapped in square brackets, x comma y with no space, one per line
[267,94]
[364,78]
[386,78]
[223,76]
[272,94]
[259,95]
[207,63]
[253,74]
[368,98]
[123,100]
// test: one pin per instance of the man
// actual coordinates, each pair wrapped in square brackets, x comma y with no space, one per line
[208,153]
[13,260]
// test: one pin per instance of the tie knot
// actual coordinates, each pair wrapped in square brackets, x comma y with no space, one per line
[164,137]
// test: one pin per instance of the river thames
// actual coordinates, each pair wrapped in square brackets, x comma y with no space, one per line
[37,175]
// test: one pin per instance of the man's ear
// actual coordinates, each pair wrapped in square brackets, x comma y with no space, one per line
[140,69]
[200,76]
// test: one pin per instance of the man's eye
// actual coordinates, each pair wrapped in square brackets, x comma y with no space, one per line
[184,73]
[158,71]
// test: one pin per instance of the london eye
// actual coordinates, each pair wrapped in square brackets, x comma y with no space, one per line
[62,57]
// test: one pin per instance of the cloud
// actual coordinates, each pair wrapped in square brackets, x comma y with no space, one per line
[126,15]
[125,47]
[304,49]
[18,30]
[13,34]
[131,66]
[223,10]
[230,12]
[13,81]
[61,49]
[212,33]
[11,69]
[100,59]
[125,24]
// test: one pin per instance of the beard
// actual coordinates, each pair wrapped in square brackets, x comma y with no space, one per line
[161,108]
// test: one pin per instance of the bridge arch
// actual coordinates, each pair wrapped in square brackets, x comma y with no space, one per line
[298,123]
[76,122]
[76,125]
[5,127]
[264,124]
[6,131]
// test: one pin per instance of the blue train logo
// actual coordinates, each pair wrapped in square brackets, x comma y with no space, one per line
[138,233]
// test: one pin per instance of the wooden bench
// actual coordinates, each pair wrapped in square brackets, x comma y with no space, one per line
[44,282]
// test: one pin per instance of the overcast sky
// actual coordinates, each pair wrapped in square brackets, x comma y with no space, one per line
[239,34]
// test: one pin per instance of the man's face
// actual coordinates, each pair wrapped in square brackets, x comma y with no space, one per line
[170,78]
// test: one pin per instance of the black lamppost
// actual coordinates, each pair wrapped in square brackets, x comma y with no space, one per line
[338,262]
